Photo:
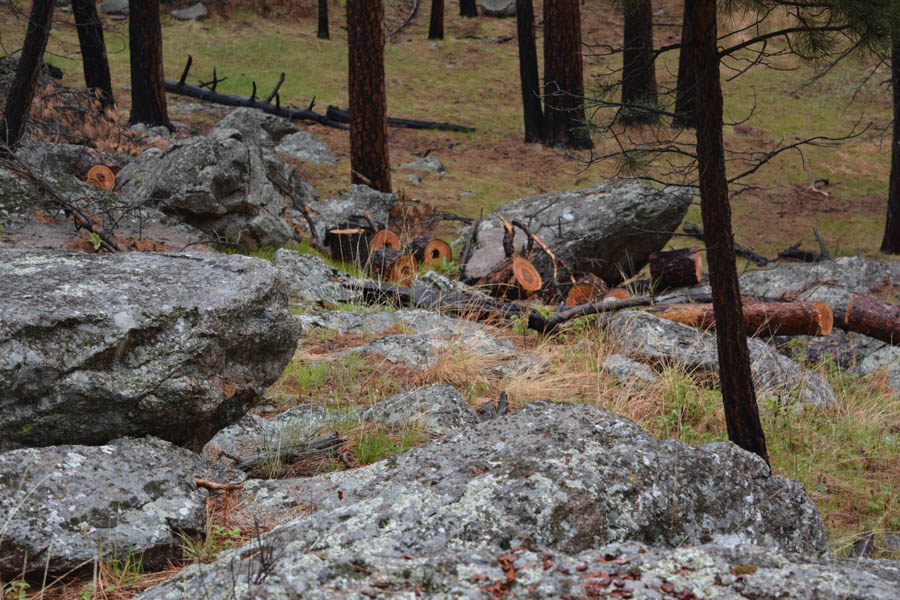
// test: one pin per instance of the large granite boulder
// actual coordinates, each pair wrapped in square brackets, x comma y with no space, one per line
[498,8]
[349,208]
[437,409]
[551,480]
[309,278]
[220,186]
[255,127]
[649,338]
[95,347]
[609,229]
[65,505]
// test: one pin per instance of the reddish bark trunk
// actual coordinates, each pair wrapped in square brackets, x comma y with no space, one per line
[686,88]
[738,396]
[639,67]
[891,241]
[322,29]
[368,103]
[528,71]
[564,119]
[436,25]
[93,50]
[148,86]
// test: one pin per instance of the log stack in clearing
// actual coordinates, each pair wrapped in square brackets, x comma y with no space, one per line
[769,318]
[387,263]
[385,237]
[430,251]
[874,318]
[514,279]
[348,245]
[676,268]
[588,288]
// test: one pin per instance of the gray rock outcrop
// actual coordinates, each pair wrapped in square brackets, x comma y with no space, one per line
[95,347]
[303,146]
[194,12]
[309,278]
[114,7]
[438,409]
[652,339]
[429,163]
[64,505]
[628,371]
[220,186]
[498,8]
[254,127]
[557,479]
[349,208]
[609,229]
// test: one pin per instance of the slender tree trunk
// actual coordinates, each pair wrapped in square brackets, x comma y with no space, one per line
[369,161]
[436,27]
[564,119]
[528,71]
[467,8]
[738,396]
[21,91]
[891,242]
[639,67]
[93,50]
[686,88]
[322,31]
[148,95]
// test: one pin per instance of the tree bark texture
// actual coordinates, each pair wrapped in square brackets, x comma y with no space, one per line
[676,268]
[93,50]
[767,318]
[738,396]
[322,29]
[468,8]
[874,318]
[891,241]
[436,25]
[564,119]
[148,91]
[368,103]
[528,71]
[21,91]
[686,87]
[639,66]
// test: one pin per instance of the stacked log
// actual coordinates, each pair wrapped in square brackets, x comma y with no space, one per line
[676,268]
[515,279]
[430,251]
[348,245]
[383,238]
[388,263]
[586,289]
[102,177]
[874,318]
[768,318]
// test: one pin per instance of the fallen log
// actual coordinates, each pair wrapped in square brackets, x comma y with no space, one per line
[514,279]
[324,445]
[430,251]
[768,318]
[211,95]
[586,288]
[676,268]
[348,245]
[388,263]
[339,115]
[102,177]
[874,318]
[384,238]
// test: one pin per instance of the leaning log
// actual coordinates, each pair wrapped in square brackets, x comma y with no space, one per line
[390,264]
[430,251]
[350,245]
[676,268]
[874,318]
[586,288]
[768,318]
[514,279]
[339,115]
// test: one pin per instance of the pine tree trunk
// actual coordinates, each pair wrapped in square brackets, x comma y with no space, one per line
[322,30]
[21,91]
[93,50]
[564,120]
[528,71]
[368,104]
[891,242]
[639,67]
[686,88]
[467,8]
[738,396]
[148,95]
[436,26]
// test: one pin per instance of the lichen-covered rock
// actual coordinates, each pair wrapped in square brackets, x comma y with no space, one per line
[498,8]
[414,320]
[424,350]
[438,409]
[220,186]
[309,278]
[628,371]
[609,229]
[94,347]
[64,505]
[254,435]
[887,359]
[429,163]
[303,146]
[349,208]
[650,338]
[256,126]
[554,479]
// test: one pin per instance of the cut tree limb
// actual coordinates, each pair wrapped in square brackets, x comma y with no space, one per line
[874,318]
[769,318]
[348,245]
[430,251]
[588,288]
[383,238]
[387,263]
[676,268]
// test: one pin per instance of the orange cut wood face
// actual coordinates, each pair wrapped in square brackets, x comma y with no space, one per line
[102,177]
[526,275]
[385,237]
[404,270]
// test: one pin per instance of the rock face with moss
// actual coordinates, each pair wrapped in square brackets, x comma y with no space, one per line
[549,479]
[94,347]
[609,229]
[126,500]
